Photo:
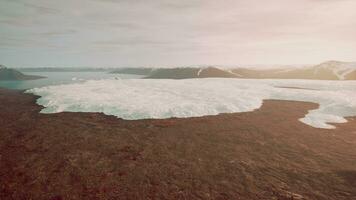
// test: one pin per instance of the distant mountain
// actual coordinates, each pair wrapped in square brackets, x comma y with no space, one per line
[7,74]
[331,70]
[136,71]
[178,73]
[184,73]
[64,69]
[342,70]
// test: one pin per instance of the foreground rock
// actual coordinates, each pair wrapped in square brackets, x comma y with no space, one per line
[265,154]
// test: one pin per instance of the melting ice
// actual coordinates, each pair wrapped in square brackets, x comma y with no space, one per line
[147,98]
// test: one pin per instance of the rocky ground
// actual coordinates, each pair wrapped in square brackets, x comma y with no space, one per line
[265,154]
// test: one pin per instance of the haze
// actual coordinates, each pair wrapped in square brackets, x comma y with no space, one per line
[174,33]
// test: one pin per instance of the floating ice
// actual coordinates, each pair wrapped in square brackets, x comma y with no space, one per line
[147,98]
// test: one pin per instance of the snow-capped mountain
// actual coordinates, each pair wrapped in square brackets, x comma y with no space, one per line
[179,72]
[342,70]
[330,70]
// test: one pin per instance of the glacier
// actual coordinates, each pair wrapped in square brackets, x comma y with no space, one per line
[133,99]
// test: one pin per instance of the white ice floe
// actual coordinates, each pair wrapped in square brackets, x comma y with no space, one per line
[148,98]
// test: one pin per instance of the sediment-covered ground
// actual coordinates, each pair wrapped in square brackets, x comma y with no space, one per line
[264,154]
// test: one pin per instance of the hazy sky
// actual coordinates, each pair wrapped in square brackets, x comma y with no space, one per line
[172,32]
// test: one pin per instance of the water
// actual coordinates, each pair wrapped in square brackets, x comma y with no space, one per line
[56,78]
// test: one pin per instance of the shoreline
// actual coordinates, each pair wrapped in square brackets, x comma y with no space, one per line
[263,154]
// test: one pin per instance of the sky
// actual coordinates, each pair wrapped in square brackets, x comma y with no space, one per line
[128,33]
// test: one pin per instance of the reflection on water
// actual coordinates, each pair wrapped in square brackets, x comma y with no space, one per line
[56,78]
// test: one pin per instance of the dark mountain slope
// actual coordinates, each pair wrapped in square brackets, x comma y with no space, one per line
[7,74]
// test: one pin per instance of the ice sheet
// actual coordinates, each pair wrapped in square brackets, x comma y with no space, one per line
[149,98]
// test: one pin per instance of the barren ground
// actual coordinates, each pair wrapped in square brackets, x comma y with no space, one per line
[265,154]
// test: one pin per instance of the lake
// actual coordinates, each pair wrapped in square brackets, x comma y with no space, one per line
[57,78]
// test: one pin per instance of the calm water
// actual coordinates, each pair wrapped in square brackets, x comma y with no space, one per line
[56,78]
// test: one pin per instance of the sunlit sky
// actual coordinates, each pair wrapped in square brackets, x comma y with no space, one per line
[101,33]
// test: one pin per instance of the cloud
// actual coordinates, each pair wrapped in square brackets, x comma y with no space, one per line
[57,33]
[42,9]
[191,31]
[131,41]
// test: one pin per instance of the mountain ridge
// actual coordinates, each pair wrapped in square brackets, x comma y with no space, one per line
[330,70]
[8,74]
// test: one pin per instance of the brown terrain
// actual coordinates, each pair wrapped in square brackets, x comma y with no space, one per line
[330,70]
[265,154]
